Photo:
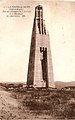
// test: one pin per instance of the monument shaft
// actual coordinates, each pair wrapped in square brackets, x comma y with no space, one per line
[40,69]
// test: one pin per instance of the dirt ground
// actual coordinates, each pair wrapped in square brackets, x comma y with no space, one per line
[10,109]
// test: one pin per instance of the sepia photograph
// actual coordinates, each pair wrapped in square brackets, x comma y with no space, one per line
[37,60]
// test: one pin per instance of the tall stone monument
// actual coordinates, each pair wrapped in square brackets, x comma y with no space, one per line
[40,69]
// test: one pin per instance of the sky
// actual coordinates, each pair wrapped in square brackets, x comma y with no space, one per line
[15,39]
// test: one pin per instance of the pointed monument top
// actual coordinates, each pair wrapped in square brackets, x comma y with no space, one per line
[39,7]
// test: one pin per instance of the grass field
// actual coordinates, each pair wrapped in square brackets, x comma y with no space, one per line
[58,103]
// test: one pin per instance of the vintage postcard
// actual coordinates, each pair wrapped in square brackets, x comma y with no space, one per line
[37,60]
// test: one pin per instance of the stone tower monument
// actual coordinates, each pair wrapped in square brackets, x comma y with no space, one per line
[40,69]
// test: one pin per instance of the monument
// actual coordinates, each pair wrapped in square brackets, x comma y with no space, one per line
[40,69]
